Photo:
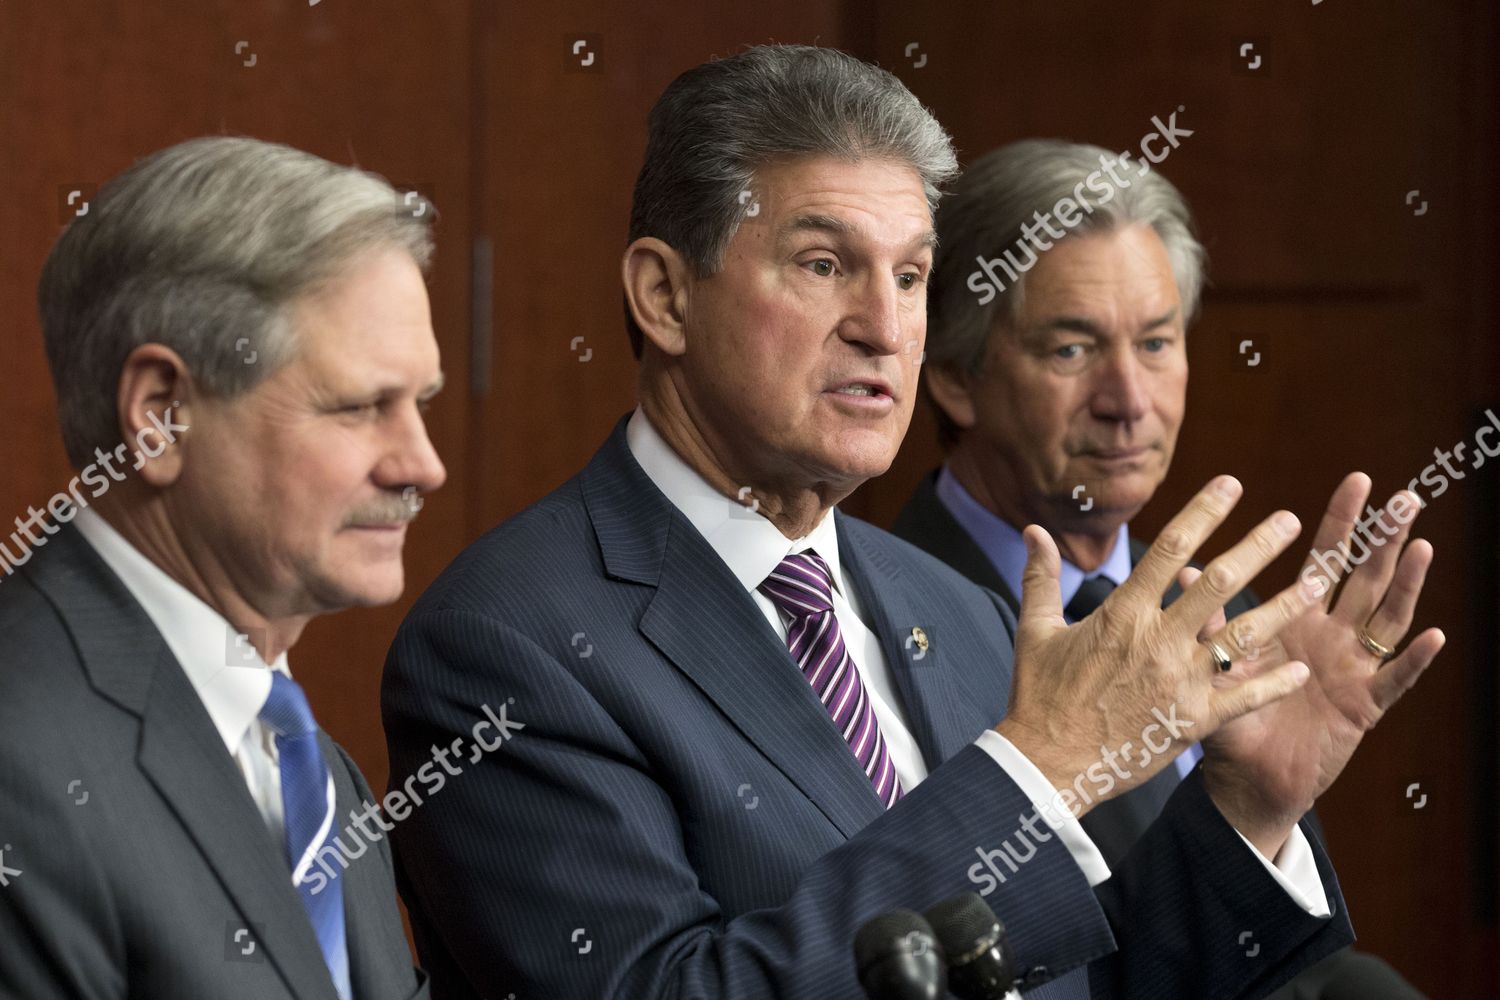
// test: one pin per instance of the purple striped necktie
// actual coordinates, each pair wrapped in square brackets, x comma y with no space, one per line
[801,587]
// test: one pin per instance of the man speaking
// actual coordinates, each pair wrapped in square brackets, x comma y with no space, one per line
[753,723]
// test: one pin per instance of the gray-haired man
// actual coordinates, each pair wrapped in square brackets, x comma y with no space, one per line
[241,344]
[784,721]
[1059,372]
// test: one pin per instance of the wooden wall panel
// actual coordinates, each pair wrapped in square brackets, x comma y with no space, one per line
[564,145]
[87,88]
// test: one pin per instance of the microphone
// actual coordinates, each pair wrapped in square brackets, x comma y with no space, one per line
[898,958]
[980,964]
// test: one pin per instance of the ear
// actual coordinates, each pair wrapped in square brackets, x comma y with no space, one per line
[952,393]
[657,280]
[155,400]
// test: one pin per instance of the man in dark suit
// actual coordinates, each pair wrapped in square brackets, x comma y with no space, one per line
[240,340]
[1060,405]
[750,723]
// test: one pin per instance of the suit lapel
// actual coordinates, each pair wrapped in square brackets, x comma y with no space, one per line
[942,719]
[710,629]
[928,525]
[182,754]
[185,758]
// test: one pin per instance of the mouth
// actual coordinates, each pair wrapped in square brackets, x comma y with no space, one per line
[1118,458]
[863,389]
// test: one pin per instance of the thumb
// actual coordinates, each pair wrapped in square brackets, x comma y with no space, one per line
[1041,596]
[1231,703]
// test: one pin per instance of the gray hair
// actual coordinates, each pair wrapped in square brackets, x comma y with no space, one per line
[717,123]
[203,247]
[983,217]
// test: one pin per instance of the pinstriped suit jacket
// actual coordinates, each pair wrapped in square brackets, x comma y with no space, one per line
[679,819]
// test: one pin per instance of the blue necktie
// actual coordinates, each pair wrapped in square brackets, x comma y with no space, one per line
[308,801]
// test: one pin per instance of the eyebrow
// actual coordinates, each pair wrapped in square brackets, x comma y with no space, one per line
[1080,324]
[841,227]
[388,392]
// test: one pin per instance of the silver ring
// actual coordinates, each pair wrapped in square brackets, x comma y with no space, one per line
[1219,653]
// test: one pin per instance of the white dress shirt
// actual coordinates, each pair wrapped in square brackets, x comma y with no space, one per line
[751,546]
[229,676]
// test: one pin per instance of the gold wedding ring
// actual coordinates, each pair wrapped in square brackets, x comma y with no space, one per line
[1375,646]
[1219,653]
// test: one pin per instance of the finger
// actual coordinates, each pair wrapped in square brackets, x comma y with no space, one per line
[1185,579]
[1041,595]
[1390,623]
[1247,634]
[1229,573]
[1397,677]
[1344,507]
[1367,583]
[1179,540]
[1228,704]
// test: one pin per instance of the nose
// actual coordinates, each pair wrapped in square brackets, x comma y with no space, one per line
[876,316]
[410,459]
[1121,391]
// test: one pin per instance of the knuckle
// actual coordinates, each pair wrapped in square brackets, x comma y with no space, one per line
[1220,578]
[1174,542]
[1243,635]
[1265,542]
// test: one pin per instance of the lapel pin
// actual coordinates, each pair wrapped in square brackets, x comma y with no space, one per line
[919,636]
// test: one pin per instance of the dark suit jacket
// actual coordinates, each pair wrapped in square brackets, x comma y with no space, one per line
[679,818]
[159,882]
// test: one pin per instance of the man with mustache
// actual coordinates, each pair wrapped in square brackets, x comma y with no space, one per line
[753,723]
[252,322]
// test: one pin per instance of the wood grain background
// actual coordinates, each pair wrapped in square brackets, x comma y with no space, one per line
[1376,325]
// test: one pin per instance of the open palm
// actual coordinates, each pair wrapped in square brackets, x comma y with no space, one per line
[1280,758]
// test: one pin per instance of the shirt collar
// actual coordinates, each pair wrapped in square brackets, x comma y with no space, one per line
[1001,542]
[750,545]
[228,674]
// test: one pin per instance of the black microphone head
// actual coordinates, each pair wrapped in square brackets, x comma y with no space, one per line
[980,966]
[898,958]
[963,924]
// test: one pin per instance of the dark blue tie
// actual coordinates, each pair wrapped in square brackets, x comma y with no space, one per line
[308,801]
[1091,593]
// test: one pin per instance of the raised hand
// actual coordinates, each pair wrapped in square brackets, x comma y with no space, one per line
[1084,690]
[1266,769]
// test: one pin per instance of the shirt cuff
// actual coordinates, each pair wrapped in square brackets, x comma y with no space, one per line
[1296,872]
[1035,786]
